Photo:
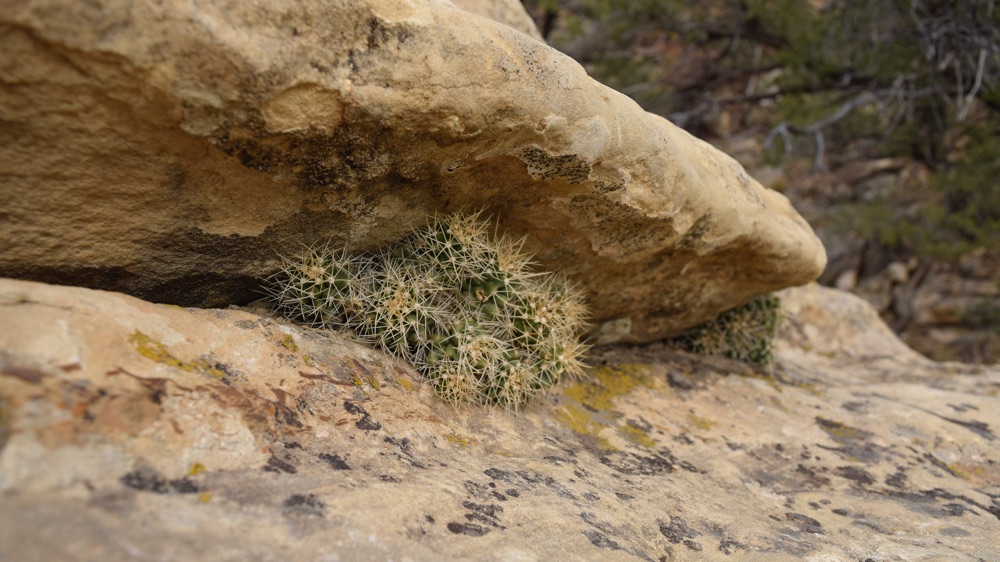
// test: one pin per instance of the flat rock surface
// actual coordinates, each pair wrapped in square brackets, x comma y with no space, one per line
[172,150]
[138,431]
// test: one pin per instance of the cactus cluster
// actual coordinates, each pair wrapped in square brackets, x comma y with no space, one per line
[462,306]
[745,333]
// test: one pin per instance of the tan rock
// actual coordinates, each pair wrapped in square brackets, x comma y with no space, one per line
[507,12]
[171,150]
[143,431]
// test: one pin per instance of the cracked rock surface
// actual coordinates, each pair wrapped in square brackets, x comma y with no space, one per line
[138,431]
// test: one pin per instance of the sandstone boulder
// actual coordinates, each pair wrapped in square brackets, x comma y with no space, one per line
[172,150]
[132,430]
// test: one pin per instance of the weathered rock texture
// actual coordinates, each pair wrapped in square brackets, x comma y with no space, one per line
[139,431]
[170,150]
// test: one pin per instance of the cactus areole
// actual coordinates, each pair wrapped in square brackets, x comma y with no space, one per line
[462,306]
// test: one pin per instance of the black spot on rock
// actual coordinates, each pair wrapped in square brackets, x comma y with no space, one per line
[477,490]
[678,532]
[497,474]
[811,478]
[547,481]
[303,505]
[404,451]
[147,480]
[730,546]
[470,529]
[897,479]
[284,415]
[600,540]
[859,475]
[366,422]
[334,461]
[805,523]
[662,462]
[274,464]
[184,486]
[484,513]
[840,511]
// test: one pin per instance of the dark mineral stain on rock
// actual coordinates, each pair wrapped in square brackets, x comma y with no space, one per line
[497,474]
[366,422]
[334,461]
[303,505]
[805,523]
[149,480]
[470,529]
[146,480]
[184,486]
[404,451]
[678,532]
[859,475]
[600,540]
[488,514]
[274,464]
[897,479]
[661,462]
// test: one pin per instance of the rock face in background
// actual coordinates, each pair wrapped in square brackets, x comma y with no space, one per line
[130,430]
[172,150]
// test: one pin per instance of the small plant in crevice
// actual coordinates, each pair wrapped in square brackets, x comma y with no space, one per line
[463,307]
[745,333]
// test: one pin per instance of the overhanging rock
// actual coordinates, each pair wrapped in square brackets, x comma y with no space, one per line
[172,150]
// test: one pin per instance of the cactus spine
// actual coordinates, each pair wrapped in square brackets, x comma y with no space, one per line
[462,306]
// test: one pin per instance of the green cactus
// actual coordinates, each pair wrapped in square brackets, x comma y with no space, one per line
[745,333]
[463,307]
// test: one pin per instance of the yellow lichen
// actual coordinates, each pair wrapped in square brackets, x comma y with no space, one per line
[196,468]
[205,497]
[288,342]
[637,436]
[840,432]
[152,349]
[700,422]
[458,440]
[156,351]
[591,409]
